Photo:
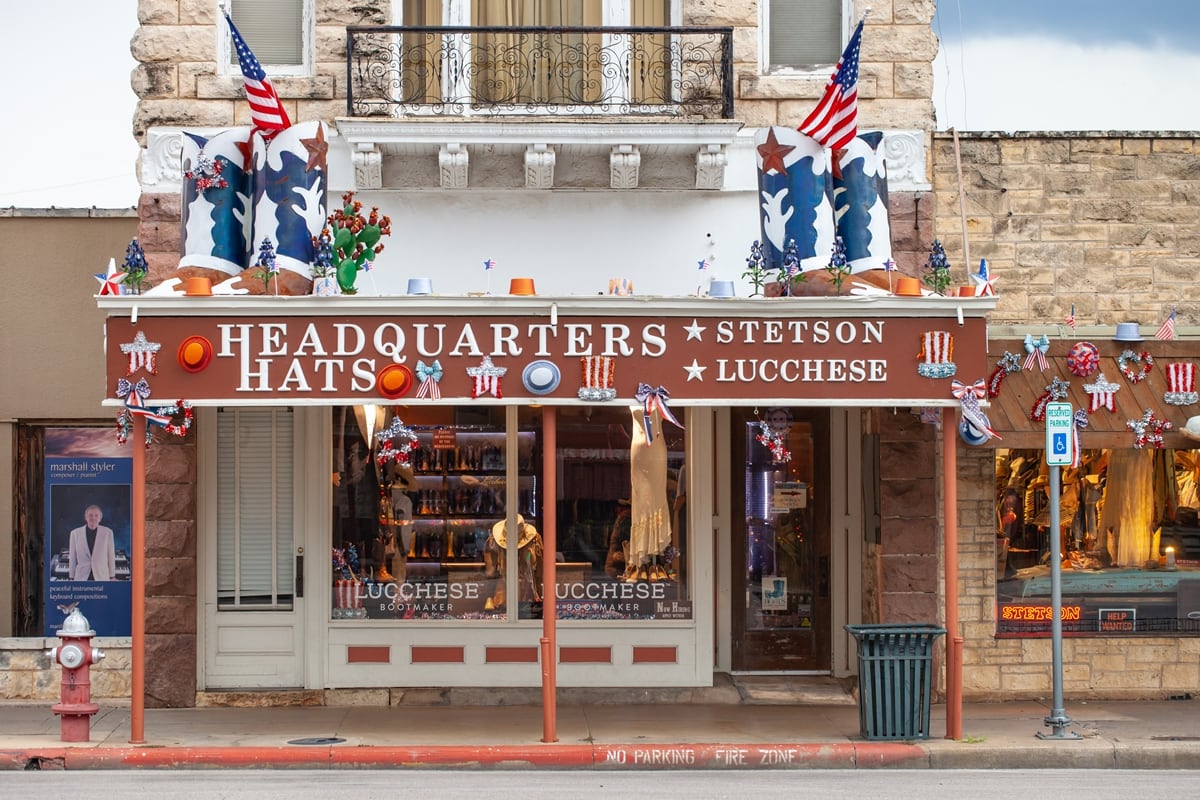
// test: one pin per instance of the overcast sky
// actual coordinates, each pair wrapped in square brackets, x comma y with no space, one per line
[1003,65]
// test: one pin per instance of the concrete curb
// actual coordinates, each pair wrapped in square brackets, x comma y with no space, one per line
[1097,754]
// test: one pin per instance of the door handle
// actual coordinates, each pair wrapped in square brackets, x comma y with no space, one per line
[299,575]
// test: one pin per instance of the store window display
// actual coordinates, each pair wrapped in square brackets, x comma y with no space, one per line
[427,535]
[1129,538]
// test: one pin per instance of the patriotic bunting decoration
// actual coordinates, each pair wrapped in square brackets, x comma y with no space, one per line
[975,428]
[654,400]
[1079,422]
[1036,349]
[430,375]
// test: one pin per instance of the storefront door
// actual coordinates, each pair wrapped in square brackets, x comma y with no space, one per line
[781,570]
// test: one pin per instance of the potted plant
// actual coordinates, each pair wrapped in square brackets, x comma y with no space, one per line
[136,268]
[356,240]
[324,278]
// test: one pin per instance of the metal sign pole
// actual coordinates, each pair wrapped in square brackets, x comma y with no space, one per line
[1059,447]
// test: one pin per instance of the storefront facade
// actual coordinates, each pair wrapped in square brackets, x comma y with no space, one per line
[742,561]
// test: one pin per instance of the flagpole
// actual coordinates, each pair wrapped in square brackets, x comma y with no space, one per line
[137,666]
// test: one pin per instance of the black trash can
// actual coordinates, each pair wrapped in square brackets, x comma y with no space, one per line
[895,679]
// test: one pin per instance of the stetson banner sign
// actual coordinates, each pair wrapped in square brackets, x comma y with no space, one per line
[323,359]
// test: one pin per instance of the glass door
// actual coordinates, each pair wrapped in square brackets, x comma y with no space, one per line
[781,547]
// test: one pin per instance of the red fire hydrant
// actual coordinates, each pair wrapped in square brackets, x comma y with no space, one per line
[76,655]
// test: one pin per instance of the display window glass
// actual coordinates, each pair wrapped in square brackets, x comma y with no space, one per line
[1128,534]
[421,526]
[622,516]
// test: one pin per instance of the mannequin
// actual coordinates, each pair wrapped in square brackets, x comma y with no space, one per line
[650,523]
[529,563]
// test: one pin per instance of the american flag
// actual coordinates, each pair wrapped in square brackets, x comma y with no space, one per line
[890,265]
[834,122]
[1167,329]
[1071,317]
[489,265]
[266,110]
[703,264]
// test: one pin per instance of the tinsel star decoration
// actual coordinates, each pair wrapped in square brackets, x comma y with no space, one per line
[485,379]
[1148,431]
[142,354]
[207,173]
[396,443]
[1008,363]
[772,439]
[1056,390]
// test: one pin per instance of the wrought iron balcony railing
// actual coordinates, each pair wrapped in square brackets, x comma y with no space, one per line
[457,71]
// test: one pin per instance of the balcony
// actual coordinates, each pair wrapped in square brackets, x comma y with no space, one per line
[539,71]
[539,108]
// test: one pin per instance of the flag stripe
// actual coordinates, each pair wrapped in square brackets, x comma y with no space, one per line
[266,109]
[834,122]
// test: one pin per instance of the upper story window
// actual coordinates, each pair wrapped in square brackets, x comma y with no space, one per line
[802,35]
[279,33]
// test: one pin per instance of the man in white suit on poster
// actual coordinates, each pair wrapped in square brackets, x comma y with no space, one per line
[92,555]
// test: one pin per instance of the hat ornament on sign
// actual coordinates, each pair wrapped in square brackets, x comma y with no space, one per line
[1181,384]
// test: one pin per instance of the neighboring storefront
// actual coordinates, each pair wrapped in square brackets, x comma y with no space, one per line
[374,500]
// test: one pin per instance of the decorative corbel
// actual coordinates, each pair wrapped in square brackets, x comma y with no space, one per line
[710,167]
[624,163]
[452,165]
[368,166]
[539,167]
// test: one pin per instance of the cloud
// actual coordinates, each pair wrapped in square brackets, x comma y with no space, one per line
[1037,83]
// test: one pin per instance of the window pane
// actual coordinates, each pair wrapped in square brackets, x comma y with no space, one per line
[272,29]
[1128,536]
[622,517]
[254,507]
[805,33]
[426,540]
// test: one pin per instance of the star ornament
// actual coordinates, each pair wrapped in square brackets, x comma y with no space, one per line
[772,153]
[110,282]
[985,284]
[317,149]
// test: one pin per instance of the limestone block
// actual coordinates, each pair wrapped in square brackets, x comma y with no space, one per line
[720,13]
[912,80]
[1182,145]
[1069,232]
[1182,676]
[182,113]
[363,12]
[155,80]
[193,12]
[172,43]
[357,697]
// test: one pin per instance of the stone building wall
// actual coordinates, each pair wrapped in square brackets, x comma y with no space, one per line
[1110,223]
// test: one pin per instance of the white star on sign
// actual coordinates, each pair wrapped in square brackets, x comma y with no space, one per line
[694,331]
[695,371]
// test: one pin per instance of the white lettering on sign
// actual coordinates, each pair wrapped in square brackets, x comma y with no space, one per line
[806,370]
[799,331]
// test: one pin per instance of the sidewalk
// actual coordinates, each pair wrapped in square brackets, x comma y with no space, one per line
[1126,735]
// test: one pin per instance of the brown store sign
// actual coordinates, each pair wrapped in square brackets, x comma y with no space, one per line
[334,360]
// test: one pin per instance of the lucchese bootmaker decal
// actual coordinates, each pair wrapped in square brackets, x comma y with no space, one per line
[697,357]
